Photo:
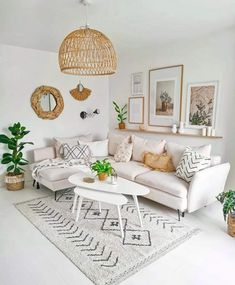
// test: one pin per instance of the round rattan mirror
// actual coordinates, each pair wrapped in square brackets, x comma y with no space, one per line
[47,102]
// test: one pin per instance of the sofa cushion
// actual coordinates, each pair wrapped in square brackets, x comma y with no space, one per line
[140,146]
[97,148]
[69,140]
[129,170]
[56,173]
[190,163]
[164,181]
[115,140]
[176,151]
[124,152]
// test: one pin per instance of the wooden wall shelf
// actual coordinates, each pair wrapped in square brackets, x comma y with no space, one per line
[168,133]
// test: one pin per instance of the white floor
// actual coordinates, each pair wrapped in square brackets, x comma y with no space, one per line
[27,257]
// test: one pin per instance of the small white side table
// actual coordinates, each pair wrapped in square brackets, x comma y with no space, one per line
[100,196]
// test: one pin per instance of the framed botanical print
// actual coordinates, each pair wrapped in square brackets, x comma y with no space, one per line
[137,84]
[201,104]
[136,110]
[165,95]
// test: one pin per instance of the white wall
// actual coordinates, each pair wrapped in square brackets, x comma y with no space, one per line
[205,59]
[21,71]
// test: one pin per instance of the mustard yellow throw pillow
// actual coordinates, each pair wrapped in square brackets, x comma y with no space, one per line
[160,162]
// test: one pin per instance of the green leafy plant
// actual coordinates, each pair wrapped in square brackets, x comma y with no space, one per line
[165,97]
[15,155]
[102,166]
[121,112]
[227,199]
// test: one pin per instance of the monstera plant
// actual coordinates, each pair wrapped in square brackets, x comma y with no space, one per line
[14,156]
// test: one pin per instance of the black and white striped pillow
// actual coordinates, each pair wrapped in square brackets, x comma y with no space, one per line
[79,152]
[190,163]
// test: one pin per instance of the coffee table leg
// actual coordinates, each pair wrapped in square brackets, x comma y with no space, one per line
[120,221]
[138,209]
[74,202]
[79,207]
[99,203]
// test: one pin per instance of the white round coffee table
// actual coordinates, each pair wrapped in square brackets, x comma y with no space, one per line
[110,198]
[123,186]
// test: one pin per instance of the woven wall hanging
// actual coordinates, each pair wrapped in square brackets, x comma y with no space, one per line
[80,93]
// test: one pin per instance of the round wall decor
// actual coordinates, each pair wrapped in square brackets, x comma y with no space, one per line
[47,102]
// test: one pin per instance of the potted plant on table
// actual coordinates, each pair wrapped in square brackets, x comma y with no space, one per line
[14,157]
[121,114]
[227,199]
[103,169]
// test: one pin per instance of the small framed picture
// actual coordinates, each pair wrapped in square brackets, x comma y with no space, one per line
[136,110]
[201,105]
[137,84]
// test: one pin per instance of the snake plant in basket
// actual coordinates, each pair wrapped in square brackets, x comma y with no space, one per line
[14,157]
[227,199]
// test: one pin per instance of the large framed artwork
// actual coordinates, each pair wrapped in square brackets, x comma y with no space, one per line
[136,110]
[165,95]
[201,105]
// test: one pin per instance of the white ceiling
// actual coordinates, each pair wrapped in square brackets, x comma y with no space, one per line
[42,24]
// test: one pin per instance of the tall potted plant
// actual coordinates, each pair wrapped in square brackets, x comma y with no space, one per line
[14,157]
[121,114]
[227,199]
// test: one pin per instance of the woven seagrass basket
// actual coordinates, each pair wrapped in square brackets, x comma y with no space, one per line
[14,182]
[231,225]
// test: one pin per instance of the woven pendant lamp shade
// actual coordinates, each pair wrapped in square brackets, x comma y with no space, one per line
[87,52]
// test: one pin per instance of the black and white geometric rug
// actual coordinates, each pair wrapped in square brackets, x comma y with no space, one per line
[94,243]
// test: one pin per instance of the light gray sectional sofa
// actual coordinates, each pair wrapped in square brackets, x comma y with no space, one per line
[165,188]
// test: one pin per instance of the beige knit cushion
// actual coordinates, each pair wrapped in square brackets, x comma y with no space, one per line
[158,162]
[124,152]
[115,140]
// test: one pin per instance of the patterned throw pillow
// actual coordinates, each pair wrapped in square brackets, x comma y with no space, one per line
[190,163]
[79,152]
[123,152]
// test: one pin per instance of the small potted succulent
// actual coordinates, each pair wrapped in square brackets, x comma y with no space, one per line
[103,169]
[14,157]
[227,199]
[121,114]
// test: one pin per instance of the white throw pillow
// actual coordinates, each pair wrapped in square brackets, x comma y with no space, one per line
[70,141]
[176,151]
[124,152]
[97,148]
[140,146]
[115,140]
[190,163]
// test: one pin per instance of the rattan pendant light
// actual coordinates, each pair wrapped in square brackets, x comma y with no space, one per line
[87,52]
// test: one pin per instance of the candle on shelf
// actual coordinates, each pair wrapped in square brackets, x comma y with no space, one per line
[209,129]
[203,132]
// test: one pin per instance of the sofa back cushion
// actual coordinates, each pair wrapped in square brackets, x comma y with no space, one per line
[70,141]
[176,151]
[140,146]
[115,140]
[97,148]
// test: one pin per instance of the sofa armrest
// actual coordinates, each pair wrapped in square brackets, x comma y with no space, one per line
[206,185]
[40,154]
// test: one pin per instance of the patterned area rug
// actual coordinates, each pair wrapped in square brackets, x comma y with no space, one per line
[94,244]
